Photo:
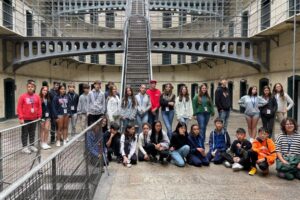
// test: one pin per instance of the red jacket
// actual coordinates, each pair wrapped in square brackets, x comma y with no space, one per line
[154,98]
[29,107]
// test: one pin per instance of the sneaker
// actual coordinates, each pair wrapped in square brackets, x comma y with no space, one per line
[67,139]
[227,164]
[58,143]
[26,150]
[43,146]
[65,142]
[237,167]
[252,171]
[33,149]
[47,146]
[128,165]
[251,140]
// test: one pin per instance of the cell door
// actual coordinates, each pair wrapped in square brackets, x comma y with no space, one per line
[9,98]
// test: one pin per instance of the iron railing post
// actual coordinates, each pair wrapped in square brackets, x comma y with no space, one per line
[54,178]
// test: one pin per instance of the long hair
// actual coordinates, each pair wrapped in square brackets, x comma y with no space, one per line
[41,93]
[281,93]
[192,127]
[110,90]
[187,96]
[125,99]
[153,132]
[250,90]
[171,89]
[180,125]
[200,94]
[126,133]
[267,87]
[61,86]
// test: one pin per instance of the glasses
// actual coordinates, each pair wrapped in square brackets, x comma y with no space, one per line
[289,124]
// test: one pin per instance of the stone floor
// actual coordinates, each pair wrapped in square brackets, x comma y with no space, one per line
[154,181]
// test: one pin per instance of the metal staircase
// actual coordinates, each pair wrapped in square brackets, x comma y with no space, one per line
[137,62]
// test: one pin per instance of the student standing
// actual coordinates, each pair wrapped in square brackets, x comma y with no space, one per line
[128,108]
[167,103]
[179,147]
[46,116]
[183,105]
[73,99]
[61,112]
[29,108]
[223,102]
[284,102]
[203,109]
[143,107]
[96,103]
[251,102]
[113,105]
[197,156]
[154,95]
[82,108]
[52,93]
[128,146]
[268,111]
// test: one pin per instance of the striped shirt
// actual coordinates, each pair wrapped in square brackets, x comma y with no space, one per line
[286,144]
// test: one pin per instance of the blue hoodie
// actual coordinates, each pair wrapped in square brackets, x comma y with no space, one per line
[60,106]
[219,140]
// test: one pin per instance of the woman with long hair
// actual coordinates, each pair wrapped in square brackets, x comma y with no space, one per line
[203,109]
[251,102]
[61,113]
[183,105]
[179,145]
[113,105]
[268,111]
[284,101]
[128,108]
[167,103]
[46,116]
[128,146]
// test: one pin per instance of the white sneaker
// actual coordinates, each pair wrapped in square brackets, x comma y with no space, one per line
[33,149]
[128,165]
[58,143]
[43,146]
[65,142]
[47,146]
[67,139]
[237,167]
[26,150]
[251,140]
[227,164]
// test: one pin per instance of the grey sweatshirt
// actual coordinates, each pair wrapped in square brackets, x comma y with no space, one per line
[252,104]
[83,105]
[96,101]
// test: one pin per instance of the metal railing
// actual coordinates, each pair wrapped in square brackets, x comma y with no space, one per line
[72,172]
[13,162]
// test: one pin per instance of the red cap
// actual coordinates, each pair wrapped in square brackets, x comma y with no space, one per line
[153,81]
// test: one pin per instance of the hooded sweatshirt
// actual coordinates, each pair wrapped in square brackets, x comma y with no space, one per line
[29,107]
[265,149]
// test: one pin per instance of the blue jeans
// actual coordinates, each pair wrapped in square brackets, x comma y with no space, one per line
[185,120]
[168,117]
[224,115]
[179,155]
[141,120]
[151,117]
[202,119]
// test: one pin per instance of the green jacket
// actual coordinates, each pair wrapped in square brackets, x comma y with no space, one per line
[199,108]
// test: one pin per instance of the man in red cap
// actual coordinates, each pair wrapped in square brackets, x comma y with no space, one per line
[154,95]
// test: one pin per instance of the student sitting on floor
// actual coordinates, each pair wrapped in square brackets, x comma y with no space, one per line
[197,155]
[112,142]
[263,152]
[93,145]
[179,145]
[144,143]
[238,155]
[128,146]
[219,142]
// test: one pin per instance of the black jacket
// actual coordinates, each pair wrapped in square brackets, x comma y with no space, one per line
[222,99]
[245,146]
[165,103]
[271,106]
[178,141]
[73,99]
[46,109]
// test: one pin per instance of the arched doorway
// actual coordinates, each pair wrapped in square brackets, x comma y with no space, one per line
[262,83]
[297,96]
[194,89]
[9,98]
[230,88]
[80,88]
[212,91]
[243,92]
